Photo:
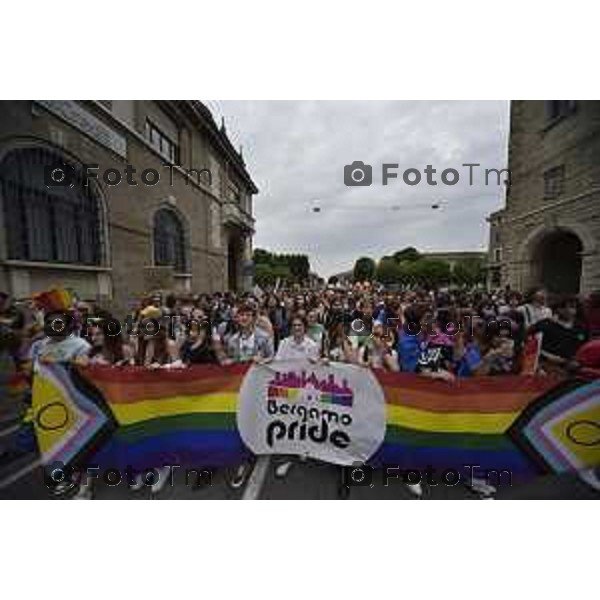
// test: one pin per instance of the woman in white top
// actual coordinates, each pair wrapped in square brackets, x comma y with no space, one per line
[298,345]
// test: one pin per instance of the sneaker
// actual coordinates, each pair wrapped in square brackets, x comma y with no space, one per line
[84,493]
[482,487]
[139,483]
[63,488]
[416,489]
[163,478]
[283,469]
[240,476]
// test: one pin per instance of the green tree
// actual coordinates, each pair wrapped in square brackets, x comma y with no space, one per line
[430,272]
[282,272]
[263,274]
[388,270]
[262,256]
[409,254]
[405,272]
[364,269]
[293,268]
[333,280]
[469,272]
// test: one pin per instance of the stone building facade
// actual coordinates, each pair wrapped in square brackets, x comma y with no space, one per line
[548,234]
[190,230]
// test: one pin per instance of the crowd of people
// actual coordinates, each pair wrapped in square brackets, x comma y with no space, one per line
[441,334]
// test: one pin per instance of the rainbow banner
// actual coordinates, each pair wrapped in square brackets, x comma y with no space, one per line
[120,417]
[521,424]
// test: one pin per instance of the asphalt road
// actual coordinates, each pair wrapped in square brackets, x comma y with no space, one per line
[306,480]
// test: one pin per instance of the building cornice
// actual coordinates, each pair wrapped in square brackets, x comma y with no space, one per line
[508,219]
[30,264]
[140,138]
[202,116]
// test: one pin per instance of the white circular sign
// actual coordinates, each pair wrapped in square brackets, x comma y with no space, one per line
[333,413]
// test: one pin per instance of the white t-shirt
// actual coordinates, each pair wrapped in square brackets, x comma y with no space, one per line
[289,349]
[246,347]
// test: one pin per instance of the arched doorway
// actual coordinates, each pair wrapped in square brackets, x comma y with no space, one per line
[557,260]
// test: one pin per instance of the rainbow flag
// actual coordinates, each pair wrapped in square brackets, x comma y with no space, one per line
[54,300]
[171,417]
[141,418]
[433,423]
[138,417]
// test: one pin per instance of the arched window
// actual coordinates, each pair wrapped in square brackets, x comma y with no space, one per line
[49,224]
[169,240]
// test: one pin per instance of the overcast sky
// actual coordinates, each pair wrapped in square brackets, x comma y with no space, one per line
[296,153]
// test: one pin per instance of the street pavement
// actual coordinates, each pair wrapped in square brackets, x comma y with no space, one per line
[306,480]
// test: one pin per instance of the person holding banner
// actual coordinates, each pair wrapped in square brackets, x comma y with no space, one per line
[338,347]
[314,329]
[562,336]
[107,349]
[60,345]
[298,345]
[417,353]
[155,348]
[278,318]
[249,344]
[535,308]
[376,353]
[511,311]
[199,347]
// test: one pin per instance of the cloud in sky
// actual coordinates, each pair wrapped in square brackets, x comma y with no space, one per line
[296,152]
